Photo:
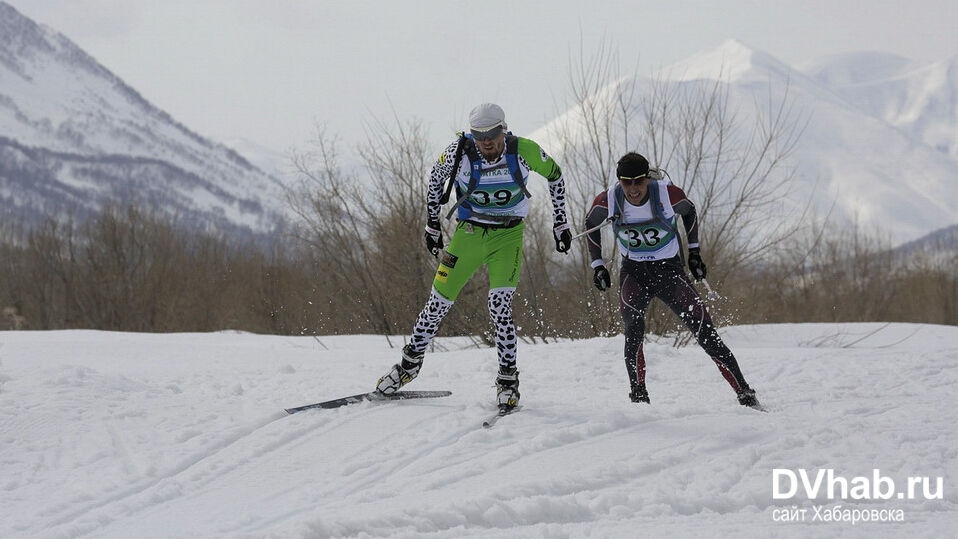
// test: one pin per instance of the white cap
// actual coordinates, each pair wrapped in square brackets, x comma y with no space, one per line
[487,116]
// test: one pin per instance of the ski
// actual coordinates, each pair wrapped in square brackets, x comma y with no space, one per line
[494,418]
[758,407]
[373,396]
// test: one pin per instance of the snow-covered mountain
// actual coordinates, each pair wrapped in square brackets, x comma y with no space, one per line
[921,100]
[74,137]
[880,148]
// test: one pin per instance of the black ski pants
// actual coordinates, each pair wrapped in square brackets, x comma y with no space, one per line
[639,282]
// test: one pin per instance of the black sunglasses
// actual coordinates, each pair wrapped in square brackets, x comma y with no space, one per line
[488,134]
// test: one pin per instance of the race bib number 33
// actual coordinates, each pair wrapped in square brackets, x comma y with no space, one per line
[643,237]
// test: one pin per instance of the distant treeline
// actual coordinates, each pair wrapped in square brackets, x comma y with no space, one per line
[126,270]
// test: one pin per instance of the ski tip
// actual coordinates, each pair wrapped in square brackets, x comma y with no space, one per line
[503,412]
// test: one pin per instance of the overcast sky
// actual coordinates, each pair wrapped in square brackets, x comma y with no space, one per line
[269,70]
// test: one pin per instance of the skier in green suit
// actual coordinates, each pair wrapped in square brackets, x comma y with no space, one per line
[488,168]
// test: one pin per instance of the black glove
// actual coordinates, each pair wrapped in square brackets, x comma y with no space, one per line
[601,278]
[433,236]
[696,266]
[563,238]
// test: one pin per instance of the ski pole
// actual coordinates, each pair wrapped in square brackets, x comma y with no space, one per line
[593,229]
[711,294]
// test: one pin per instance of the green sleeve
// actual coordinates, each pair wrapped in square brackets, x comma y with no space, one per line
[538,160]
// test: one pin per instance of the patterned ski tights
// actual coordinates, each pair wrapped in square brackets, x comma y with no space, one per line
[500,310]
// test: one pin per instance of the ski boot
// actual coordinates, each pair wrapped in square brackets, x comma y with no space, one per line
[401,373]
[507,388]
[746,397]
[639,394]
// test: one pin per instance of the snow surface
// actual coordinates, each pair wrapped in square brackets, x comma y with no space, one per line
[184,435]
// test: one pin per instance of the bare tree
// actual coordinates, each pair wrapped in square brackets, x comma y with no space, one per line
[732,165]
[364,228]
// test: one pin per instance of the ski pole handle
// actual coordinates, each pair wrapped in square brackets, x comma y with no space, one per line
[593,229]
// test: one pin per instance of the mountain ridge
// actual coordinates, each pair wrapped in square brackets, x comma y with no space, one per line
[67,108]
[860,165]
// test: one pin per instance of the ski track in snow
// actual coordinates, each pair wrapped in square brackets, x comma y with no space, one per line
[184,435]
